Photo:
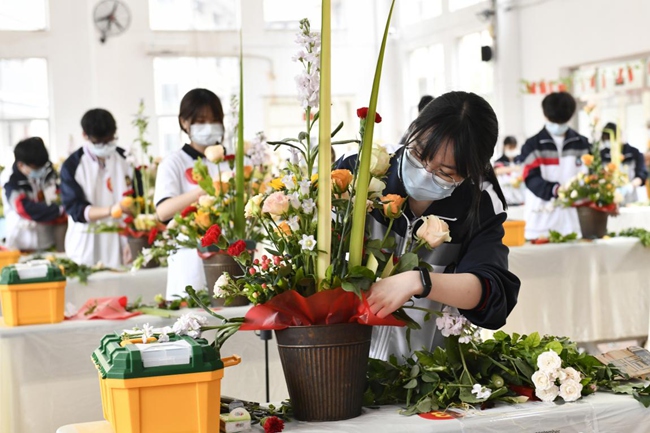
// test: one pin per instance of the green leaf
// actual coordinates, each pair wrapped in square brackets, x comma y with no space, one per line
[555,346]
[415,371]
[643,398]
[349,287]
[411,384]
[500,336]
[406,263]
[532,340]
[424,405]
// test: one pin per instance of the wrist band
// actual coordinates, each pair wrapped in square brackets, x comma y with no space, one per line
[425,278]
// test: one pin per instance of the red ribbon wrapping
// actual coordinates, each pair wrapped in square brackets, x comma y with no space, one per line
[113,308]
[323,308]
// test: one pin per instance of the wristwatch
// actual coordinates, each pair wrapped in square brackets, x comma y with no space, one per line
[425,278]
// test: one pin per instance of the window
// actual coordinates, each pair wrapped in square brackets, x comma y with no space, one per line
[193,14]
[175,76]
[413,11]
[427,74]
[286,14]
[24,103]
[475,75]
[23,15]
[455,5]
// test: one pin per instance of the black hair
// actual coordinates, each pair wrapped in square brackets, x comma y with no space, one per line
[559,107]
[469,124]
[99,124]
[509,140]
[194,101]
[611,126]
[32,151]
[424,101]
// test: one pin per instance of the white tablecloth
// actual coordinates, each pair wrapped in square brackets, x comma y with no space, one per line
[47,378]
[630,217]
[588,291]
[596,413]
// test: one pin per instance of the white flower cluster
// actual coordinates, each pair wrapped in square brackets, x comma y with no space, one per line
[308,82]
[258,150]
[189,324]
[552,380]
[452,323]
[482,392]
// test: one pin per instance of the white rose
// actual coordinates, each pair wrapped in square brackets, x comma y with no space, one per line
[541,380]
[571,373]
[379,161]
[207,201]
[434,231]
[570,390]
[547,395]
[219,284]
[253,206]
[215,153]
[549,362]
[376,188]
[172,224]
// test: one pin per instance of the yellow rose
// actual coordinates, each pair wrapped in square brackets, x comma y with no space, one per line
[207,201]
[215,153]
[202,219]
[341,180]
[392,205]
[196,176]
[433,231]
[379,161]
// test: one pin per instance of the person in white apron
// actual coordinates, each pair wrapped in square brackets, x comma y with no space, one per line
[633,165]
[551,158]
[30,197]
[93,181]
[201,118]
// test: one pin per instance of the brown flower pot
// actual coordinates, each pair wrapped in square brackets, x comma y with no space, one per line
[59,236]
[136,245]
[325,369]
[593,223]
[214,267]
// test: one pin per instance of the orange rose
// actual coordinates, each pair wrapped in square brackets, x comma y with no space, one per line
[392,205]
[611,166]
[284,228]
[127,201]
[202,219]
[341,180]
[587,159]
[248,171]
[221,187]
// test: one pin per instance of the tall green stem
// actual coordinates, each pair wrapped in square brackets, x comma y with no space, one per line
[239,153]
[359,211]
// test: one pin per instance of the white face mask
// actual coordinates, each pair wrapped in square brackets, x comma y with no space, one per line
[101,150]
[557,129]
[510,153]
[606,144]
[419,184]
[38,173]
[206,134]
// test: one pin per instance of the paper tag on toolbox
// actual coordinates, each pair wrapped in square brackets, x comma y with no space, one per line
[33,269]
[167,353]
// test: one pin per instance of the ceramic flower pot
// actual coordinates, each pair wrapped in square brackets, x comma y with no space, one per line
[136,245]
[214,267]
[325,369]
[593,223]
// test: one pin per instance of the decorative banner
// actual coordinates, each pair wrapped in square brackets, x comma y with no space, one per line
[544,87]
[585,82]
[621,76]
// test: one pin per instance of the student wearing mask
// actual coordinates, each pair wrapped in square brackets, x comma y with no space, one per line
[445,170]
[550,159]
[508,171]
[30,197]
[201,118]
[93,181]
[633,163]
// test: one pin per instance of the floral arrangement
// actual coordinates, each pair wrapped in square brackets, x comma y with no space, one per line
[508,368]
[72,269]
[315,223]
[596,188]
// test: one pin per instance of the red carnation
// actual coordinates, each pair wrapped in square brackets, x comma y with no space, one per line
[273,424]
[188,210]
[128,192]
[152,235]
[211,236]
[362,113]
[237,248]
[128,220]
[229,157]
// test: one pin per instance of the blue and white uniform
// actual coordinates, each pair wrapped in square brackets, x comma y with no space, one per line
[85,182]
[550,161]
[173,178]
[30,207]
[475,250]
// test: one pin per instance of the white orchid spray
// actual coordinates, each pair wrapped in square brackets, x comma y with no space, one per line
[308,81]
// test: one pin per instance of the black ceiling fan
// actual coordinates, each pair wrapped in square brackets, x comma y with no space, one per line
[111,18]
